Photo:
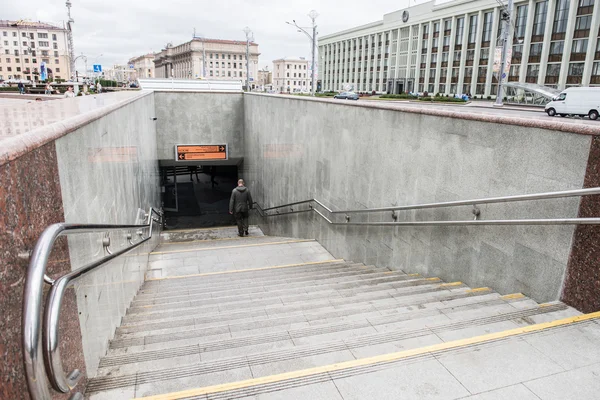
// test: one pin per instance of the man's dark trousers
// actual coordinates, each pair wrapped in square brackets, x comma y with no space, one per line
[242,221]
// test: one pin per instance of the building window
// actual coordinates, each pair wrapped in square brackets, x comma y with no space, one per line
[6,42]
[576,69]
[8,60]
[14,34]
[56,61]
[18,69]
[57,69]
[55,45]
[288,66]
[25,44]
[535,50]
[16,52]
[487,27]
[34,61]
[9,69]
[15,43]
[533,71]
[42,36]
[211,72]
[579,46]
[229,73]
[553,70]
[583,25]
[54,36]
[561,16]
[460,27]
[4,33]
[472,28]
[43,44]
[539,20]
[56,54]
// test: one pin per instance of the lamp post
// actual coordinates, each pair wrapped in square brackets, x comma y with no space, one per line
[313,39]
[506,21]
[249,37]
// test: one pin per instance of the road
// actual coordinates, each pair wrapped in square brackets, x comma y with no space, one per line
[486,108]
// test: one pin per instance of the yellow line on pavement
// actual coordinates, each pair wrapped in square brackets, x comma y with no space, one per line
[513,296]
[372,360]
[477,290]
[337,260]
[232,247]
[451,284]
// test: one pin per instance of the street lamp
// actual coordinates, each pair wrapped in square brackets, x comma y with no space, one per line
[506,21]
[313,38]
[249,37]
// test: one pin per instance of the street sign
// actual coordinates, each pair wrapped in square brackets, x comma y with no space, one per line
[97,68]
[131,66]
[200,152]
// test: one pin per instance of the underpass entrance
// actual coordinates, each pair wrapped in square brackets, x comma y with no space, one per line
[197,196]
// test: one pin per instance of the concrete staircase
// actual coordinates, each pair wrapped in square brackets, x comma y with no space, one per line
[280,318]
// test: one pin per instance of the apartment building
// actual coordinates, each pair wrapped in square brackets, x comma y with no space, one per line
[208,58]
[291,74]
[450,47]
[25,45]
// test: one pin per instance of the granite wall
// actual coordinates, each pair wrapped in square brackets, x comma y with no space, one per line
[582,282]
[199,118]
[108,172]
[353,156]
[30,200]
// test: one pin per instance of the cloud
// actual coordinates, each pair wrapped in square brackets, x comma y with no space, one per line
[120,30]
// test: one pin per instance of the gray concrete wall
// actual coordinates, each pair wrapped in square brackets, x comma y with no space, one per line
[108,173]
[359,157]
[199,118]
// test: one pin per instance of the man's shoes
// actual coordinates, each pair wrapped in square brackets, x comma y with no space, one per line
[246,233]
[240,234]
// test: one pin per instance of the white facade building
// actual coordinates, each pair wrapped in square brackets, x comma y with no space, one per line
[25,45]
[450,47]
[291,74]
[225,59]
[143,66]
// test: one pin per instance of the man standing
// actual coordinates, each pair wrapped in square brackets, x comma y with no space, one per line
[239,204]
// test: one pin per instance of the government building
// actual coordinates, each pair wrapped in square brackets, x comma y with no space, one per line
[207,58]
[449,48]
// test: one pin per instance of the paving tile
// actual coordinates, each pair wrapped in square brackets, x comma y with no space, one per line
[247,350]
[113,394]
[164,363]
[577,384]
[394,347]
[296,364]
[516,392]
[317,391]
[338,335]
[496,365]
[571,348]
[472,331]
[192,382]
[422,380]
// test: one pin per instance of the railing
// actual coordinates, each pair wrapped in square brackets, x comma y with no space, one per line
[474,202]
[42,357]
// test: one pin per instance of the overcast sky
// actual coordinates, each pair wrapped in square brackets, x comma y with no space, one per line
[121,29]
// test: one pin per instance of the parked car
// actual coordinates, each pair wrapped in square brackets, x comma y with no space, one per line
[346,96]
[579,101]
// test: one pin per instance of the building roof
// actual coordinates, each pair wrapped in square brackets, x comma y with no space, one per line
[28,24]
[296,59]
[223,41]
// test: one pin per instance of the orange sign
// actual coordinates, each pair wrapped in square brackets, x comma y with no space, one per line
[188,152]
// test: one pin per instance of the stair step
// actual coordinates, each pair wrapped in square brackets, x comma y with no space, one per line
[251,277]
[351,273]
[381,291]
[276,358]
[318,291]
[315,314]
[208,234]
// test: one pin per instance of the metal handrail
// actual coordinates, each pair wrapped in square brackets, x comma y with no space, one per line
[39,361]
[473,202]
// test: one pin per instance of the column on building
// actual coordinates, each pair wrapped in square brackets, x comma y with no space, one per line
[527,41]
[428,46]
[355,63]
[591,67]
[546,42]
[451,51]
[496,33]
[440,57]
[477,54]
[566,69]
[418,85]
[463,57]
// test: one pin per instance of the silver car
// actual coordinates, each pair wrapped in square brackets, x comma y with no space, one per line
[346,96]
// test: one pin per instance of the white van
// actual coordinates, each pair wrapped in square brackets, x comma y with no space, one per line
[580,101]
